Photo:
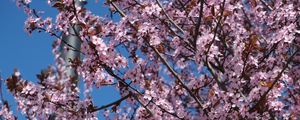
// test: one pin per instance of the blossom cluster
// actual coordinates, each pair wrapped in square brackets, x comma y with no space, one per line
[175,59]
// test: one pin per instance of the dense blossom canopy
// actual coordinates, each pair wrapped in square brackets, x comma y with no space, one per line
[169,59]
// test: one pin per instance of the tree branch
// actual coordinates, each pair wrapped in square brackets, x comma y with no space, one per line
[198,23]
[178,78]
[211,70]
[266,4]
[169,18]
[111,104]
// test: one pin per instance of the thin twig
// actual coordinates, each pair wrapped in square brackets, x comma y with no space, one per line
[117,8]
[266,4]
[111,104]
[51,33]
[169,18]
[178,78]
[211,70]
[198,23]
[137,99]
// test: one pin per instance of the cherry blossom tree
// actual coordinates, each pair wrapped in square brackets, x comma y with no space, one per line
[169,59]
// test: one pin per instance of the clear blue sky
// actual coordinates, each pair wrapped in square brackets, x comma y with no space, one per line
[31,53]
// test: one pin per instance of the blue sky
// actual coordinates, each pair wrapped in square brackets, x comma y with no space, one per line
[31,53]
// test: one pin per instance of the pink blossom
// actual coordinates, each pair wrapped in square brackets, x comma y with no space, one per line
[214,59]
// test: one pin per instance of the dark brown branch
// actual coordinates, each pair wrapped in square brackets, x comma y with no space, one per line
[110,71]
[72,47]
[117,102]
[179,79]
[117,8]
[74,11]
[145,106]
[169,18]
[198,23]
[211,70]
[266,4]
